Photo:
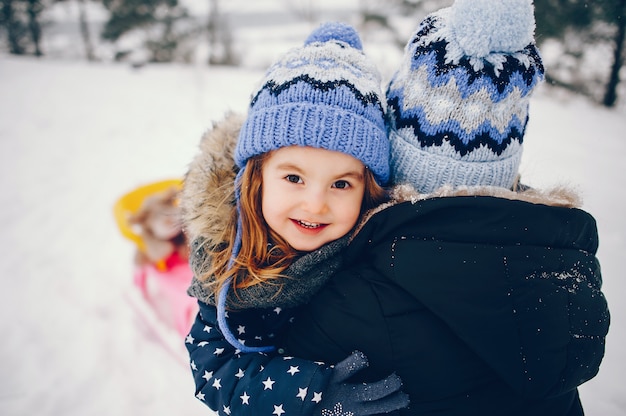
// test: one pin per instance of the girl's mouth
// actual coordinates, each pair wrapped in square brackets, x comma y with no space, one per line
[308,225]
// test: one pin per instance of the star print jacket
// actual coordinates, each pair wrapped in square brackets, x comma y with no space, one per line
[486,302]
[228,381]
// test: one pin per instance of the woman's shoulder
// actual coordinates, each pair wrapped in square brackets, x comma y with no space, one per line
[405,201]
[479,214]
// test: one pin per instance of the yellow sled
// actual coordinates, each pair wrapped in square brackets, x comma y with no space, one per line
[130,203]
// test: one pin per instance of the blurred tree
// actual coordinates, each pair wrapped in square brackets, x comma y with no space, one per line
[581,26]
[34,9]
[16,30]
[610,97]
[382,15]
[220,37]
[85,32]
[155,18]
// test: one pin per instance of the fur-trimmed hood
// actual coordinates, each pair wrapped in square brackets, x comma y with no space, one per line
[208,197]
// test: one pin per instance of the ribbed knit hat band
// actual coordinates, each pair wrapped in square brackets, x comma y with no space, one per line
[458,106]
[325,94]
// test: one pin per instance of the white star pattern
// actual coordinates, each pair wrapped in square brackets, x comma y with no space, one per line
[302,393]
[217,383]
[268,384]
[282,383]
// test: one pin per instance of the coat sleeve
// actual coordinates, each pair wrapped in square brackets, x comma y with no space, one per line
[256,384]
[536,315]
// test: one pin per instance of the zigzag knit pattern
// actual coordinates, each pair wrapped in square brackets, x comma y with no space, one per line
[463,117]
[325,94]
[455,102]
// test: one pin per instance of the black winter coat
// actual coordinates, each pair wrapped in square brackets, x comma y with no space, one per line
[483,306]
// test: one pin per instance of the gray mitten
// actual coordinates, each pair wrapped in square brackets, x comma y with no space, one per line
[347,399]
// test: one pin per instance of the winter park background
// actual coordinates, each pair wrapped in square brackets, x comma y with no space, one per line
[75,136]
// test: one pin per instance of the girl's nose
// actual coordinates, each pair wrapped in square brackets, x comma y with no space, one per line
[315,202]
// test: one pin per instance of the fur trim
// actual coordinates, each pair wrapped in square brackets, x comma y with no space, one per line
[559,196]
[208,196]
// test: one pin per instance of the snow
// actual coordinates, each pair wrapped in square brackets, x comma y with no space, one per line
[75,136]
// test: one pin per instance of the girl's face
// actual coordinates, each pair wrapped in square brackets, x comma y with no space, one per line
[311,196]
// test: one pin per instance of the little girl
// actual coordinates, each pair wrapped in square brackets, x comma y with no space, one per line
[267,230]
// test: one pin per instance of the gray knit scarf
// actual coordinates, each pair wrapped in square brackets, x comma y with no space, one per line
[302,279]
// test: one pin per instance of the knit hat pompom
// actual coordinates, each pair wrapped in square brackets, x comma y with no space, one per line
[482,27]
[336,31]
[458,105]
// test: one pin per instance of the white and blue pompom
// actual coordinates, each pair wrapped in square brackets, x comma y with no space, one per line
[483,27]
[335,31]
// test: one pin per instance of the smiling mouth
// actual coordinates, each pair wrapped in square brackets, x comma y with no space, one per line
[309,225]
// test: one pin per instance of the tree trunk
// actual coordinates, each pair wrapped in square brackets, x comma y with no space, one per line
[610,97]
[12,28]
[220,39]
[34,8]
[84,31]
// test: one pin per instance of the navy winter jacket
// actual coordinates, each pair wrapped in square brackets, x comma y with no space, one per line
[252,384]
[483,305]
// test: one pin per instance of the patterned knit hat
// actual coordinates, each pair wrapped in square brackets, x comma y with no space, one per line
[458,105]
[326,94]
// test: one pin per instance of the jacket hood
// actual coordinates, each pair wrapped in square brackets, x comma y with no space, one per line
[208,196]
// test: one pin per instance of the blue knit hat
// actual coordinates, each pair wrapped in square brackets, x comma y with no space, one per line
[325,94]
[458,105]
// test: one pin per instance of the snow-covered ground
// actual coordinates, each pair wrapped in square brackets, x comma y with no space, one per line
[75,136]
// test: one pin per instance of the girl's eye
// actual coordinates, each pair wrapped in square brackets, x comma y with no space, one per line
[293,178]
[341,185]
